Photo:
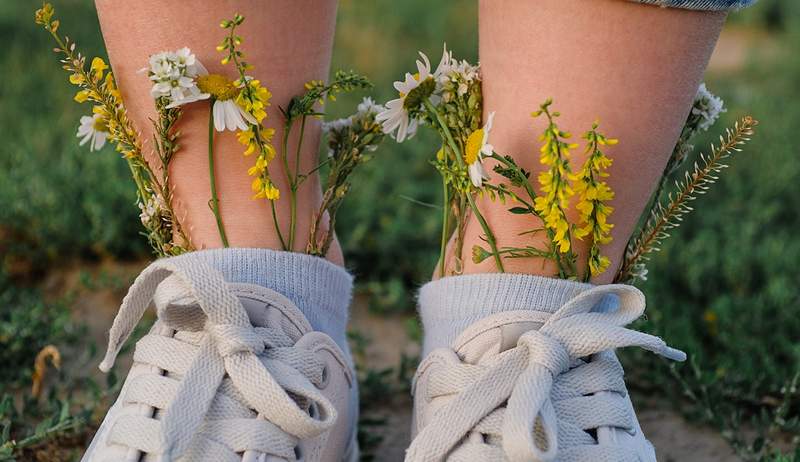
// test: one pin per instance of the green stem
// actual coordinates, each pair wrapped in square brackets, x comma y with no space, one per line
[526,184]
[214,198]
[294,185]
[459,158]
[445,226]
[277,225]
[314,170]
[287,128]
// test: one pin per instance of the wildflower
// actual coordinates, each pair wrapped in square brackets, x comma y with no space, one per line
[255,141]
[225,93]
[254,101]
[265,189]
[98,67]
[454,76]
[401,113]
[478,146]
[369,106]
[261,141]
[556,190]
[174,77]
[93,130]
[337,125]
[151,209]
[707,107]
[356,131]
[366,108]
[593,195]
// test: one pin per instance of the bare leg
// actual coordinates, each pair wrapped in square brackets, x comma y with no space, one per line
[634,67]
[288,41]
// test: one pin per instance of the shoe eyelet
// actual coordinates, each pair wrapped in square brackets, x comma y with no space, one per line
[326,377]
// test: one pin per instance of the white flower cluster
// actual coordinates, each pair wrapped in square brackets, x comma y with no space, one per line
[366,108]
[400,118]
[174,76]
[707,106]
[459,73]
[151,209]
[362,121]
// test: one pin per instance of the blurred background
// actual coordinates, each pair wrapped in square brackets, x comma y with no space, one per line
[724,288]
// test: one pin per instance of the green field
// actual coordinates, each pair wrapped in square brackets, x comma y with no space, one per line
[725,288]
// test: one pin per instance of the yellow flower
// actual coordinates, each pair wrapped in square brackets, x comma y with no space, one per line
[112,88]
[554,181]
[97,67]
[247,138]
[82,96]
[76,79]
[261,142]
[593,196]
[598,265]
[258,101]
[265,189]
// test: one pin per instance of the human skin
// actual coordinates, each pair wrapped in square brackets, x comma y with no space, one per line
[287,49]
[633,67]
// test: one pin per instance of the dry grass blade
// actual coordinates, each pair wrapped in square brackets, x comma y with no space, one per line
[40,366]
[665,217]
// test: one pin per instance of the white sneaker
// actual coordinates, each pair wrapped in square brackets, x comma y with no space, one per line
[229,372]
[534,386]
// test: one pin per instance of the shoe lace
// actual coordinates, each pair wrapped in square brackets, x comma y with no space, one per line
[523,402]
[227,369]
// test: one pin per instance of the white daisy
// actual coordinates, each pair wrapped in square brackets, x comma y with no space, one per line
[401,114]
[231,116]
[93,130]
[227,114]
[445,64]
[477,147]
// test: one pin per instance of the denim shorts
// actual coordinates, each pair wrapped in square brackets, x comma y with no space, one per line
[706,5]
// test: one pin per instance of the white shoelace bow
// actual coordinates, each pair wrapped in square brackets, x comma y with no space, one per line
[529,397]
[260,363]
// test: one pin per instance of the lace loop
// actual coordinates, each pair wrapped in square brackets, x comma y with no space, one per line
[231,339]
[545,351]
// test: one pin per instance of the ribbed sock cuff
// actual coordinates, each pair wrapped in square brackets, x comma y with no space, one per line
[320,289]
[451,304]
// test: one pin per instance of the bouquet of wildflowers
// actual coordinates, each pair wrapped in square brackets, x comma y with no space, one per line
[237,104]
[448,99]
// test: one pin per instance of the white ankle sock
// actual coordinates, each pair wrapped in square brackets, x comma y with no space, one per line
[449,305]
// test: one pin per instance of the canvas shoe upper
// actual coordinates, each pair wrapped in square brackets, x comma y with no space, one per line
[229,372]
[536,386]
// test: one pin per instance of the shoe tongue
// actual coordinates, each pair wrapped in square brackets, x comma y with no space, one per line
[264,307]
[484,340]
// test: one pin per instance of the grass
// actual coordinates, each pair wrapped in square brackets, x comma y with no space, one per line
[725,287]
